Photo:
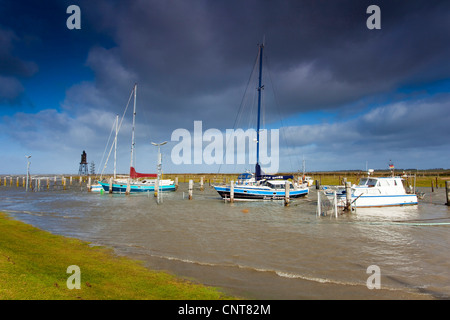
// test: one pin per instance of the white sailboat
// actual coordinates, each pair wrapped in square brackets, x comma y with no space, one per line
[131,184]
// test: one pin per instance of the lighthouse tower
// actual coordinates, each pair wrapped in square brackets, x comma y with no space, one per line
[83,171]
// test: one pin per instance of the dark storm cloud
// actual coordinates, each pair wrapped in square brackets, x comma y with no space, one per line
[192,60]
[12,68]
[321,53]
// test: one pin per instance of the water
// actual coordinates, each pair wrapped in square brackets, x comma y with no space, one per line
[258,250]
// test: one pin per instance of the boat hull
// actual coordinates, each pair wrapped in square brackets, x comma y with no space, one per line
[122,188]
[380,200]
[255,194]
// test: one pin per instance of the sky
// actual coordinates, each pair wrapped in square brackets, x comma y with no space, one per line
[343,96]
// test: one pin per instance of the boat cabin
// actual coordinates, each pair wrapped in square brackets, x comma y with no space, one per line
[277,184]
[245,179]
[380,182]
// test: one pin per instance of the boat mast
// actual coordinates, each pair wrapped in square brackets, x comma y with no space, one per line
[115,145]
[260,88]
[132,132]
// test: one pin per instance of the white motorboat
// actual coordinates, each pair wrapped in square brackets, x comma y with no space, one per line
[375,192]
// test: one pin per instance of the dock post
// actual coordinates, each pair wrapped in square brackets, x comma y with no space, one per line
[176,183]
[432,188]
[348,195]
[89,186]
[318,204]
[447,191]
[17,181]
[48,183]
[286,194]
[128,190]
[111,185]
[335,204]
[70,181]
[232,191]
[191,187]
[201,183]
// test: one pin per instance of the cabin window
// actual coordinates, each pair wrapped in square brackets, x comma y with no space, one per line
[371,183]
[362,182]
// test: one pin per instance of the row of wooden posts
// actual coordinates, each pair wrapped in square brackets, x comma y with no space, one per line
[35,183]
[37,186]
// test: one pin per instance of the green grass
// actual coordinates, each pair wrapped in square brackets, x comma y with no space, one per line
[33,265]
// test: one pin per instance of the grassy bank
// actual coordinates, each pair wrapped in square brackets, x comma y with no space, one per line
[33,265]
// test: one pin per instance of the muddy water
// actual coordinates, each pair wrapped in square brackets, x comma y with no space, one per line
[258,250]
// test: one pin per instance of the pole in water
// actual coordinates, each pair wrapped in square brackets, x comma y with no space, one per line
[335,205]
[201,183]
[232,191]
[447,191]
[191,187]
[176,183]
[348,195]
[318,204]
[156,193]
[111,185]
[286,193]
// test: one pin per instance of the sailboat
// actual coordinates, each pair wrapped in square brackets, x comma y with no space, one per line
[257,185]
[131,184]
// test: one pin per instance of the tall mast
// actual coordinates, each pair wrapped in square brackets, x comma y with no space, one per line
[132,132]
[260,88]
[115,145]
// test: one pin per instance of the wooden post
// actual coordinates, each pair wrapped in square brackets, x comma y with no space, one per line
[128,190]
[286,193]
[447,191]
[17,181]
[191,187]
[70,181]
[89,186]
[201,183]
[48,183]
[156,189]
[335,205]
[318,204]
[432,188]
[317,185]
[232,191]
[111,185]
[176,183]
[348,195]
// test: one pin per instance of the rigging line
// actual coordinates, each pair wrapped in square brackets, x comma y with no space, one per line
[104,152]
[240,106]
[278,109]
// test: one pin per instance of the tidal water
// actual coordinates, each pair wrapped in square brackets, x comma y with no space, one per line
[258,250]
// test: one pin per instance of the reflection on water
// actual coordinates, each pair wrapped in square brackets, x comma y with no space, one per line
[255,249]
